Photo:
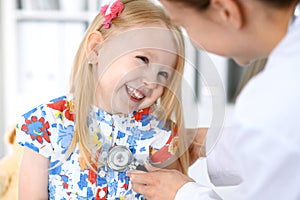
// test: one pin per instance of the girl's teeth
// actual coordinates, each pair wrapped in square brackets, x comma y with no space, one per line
[135,93]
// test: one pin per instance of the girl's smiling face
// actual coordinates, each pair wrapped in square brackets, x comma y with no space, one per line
[137,78]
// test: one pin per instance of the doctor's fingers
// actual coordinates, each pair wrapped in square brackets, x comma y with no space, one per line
[145,184]
[159,177]
[167,182]
[144,178]
[147,191]
[154,192]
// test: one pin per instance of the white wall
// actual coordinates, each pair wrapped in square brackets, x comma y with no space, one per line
[1,84]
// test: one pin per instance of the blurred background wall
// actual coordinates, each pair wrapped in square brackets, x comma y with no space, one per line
[38,40]
[1,85]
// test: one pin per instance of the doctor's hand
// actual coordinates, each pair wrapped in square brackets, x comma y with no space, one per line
[159,184]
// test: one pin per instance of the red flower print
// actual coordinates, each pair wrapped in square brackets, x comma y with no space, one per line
[92,175]
[101,193]
[169,149]
[140,114]
[64,180]
[37,129]
[65,107]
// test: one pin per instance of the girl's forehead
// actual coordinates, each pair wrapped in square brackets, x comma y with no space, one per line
[145,37]
[161,39]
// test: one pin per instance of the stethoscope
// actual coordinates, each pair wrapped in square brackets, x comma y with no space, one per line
[119,157]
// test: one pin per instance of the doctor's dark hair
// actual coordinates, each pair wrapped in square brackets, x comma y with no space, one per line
[204,4]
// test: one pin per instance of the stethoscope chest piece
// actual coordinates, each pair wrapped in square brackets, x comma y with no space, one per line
[119,158]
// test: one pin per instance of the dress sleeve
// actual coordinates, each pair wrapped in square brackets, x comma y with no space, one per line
[34,131]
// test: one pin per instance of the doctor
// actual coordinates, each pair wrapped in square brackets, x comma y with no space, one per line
[261,150]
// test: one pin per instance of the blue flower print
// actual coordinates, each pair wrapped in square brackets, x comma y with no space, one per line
[112,188]
[101,181]
[121,176]
[70,177]
[58,99]
[138,196]
[55,168]
[65,135]
[146,119]
[31,146]
[52,191]
[120,135]
[90,192]
[102,116]
[143,149]
[82,183]
[28,114]
[142,135]
[131,140]
[64,180]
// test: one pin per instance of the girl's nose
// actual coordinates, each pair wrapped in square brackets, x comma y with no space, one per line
[150,80]
[150,84]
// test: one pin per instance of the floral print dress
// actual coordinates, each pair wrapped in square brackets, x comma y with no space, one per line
[48,129]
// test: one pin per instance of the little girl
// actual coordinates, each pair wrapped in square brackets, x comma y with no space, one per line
[123,109]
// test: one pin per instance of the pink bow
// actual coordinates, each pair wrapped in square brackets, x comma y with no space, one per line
[111,11]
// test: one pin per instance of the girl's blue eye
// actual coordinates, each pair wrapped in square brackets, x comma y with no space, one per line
[143,58]
[164,74]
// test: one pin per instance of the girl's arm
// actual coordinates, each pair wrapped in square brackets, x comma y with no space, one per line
[33,180]
[174,165]
[197,146]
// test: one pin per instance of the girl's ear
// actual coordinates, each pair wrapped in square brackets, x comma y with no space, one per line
[230,12]
[94,40]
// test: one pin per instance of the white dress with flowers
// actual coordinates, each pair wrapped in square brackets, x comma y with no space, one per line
[48,129]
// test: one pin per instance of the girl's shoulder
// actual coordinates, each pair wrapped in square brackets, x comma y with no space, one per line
[59,108]
[41,127]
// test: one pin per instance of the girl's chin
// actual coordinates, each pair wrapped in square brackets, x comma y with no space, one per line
[127,106]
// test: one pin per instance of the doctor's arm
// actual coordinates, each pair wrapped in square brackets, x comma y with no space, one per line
[171,184]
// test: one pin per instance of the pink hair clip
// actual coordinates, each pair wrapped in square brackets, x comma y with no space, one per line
[111,11]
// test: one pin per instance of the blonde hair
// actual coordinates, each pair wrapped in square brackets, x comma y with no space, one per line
[135,13]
